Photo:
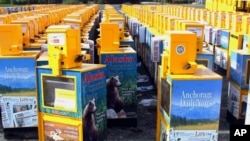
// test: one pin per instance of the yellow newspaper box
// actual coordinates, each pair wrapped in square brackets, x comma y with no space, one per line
[13,16]
[11,40]
[171,22]
[235,41]
[229,20]
[179,22]
[64,47]
[203,15]
[245,25]
[236,22]
[110,40]
[25,30]
[198,29]
[74,23]
[35,25]
[4,19]
[181,49]
[19,15]
[221,23]
[120,22]
[165,23]
[214,17]
[47,19]
[32,28]
[40,23]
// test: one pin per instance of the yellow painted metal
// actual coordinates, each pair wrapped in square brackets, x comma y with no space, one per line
[11,40]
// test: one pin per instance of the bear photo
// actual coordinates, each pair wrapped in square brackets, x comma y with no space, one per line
[115,104]
[90,129]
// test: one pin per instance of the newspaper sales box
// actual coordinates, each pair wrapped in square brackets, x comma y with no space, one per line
[206,58]
[198,97]
[127,41]
[79,93]
[42,59]
[240,68]
[67,95]
[18,94]
[237,101]
[121,86]
[221,58]
[224,38]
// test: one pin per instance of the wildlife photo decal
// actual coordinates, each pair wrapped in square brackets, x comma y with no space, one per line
[94,106]
[90,129]
[121,84]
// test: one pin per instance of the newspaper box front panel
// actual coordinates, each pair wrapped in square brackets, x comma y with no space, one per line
[206,58]
[240,68]
[53,127]
[198,96]
[58,95]
[196,101]
[67,94]
[237,101]
[18,90]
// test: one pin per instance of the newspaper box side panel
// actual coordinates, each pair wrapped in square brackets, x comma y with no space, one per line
[94,103]
[18,90]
